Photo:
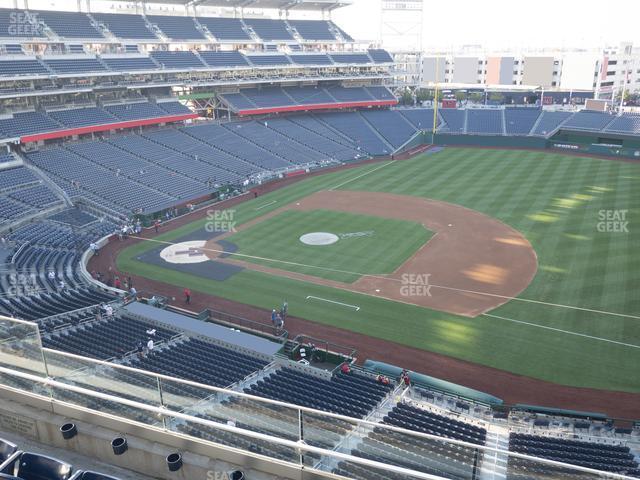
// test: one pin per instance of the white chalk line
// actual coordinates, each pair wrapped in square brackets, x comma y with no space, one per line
[266,205]
[361,175]
[397,280]
[568,332]
[357,308]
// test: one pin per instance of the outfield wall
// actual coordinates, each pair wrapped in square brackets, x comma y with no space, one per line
[617,146]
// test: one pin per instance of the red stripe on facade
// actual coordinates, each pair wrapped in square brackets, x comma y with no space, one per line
[318,106]
[106,126]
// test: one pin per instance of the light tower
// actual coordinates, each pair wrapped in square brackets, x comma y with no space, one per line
[401,25]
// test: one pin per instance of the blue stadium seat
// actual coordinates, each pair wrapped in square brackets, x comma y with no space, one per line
[225,29]
[549,122]
[453,119]
[224,59]
[177,60]
[266,60]
[14,68]
[177,28]
[31,466]
[129,64]
[380,56]
[484,122]
[268,29]
[520,121]
[313,29]
[310,59]
[69,24]
[125,26]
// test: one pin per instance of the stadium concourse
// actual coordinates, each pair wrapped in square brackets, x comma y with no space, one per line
[118,128]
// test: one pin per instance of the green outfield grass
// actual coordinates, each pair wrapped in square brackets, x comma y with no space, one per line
[278,239]
[557,201]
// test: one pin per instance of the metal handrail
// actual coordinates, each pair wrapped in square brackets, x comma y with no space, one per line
[299,445]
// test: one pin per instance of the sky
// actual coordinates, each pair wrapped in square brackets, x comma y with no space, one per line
[503,24]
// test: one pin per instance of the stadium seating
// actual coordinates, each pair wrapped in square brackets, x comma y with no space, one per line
[116,192]
[629,124]
[350,58]
[179,60]
[275,143]
[380,93]
[380,56]
[230,139]
[225,29]
[200,361]
[224,59]
[310,59]
[355,127]
[520,121]
[125,26]
[19,465]
[135,111]
[599,456]
[79,117]
[238,101]
[267,60]
[484,122]
[106,338]
[421,118]
[74,65]
[121,164]
[391,125]
[27,24]
[586,120]
[14,68]
[347,394]
[69,24]
[268,29]
[549,122]
[44,247]
[267,97]
[313,29]
[454,120]
[177,28]
[427,456]
[308,95]
[314,140]
[173,108]
[129,64]
[350,94]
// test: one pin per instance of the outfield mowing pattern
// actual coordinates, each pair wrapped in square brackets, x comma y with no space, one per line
[553,199]
[389,244]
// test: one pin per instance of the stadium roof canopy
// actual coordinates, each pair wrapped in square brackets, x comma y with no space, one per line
[312,5]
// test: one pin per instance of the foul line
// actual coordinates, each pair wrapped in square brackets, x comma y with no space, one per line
[266,205]
[386,277]
[560,330]
[333,301]
[361,175]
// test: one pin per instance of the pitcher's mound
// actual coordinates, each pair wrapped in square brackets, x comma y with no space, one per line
[319,238]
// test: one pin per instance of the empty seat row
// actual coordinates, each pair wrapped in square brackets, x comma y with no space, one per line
[18,465]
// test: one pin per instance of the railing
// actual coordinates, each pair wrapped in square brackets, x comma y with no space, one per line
[326,346]
[234,320]
[301,436]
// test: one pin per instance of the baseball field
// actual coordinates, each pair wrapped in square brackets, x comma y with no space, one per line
[523,261]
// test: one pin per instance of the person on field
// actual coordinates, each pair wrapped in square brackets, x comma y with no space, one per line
[187,296]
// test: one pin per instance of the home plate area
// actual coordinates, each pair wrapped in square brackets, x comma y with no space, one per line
[185,252]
